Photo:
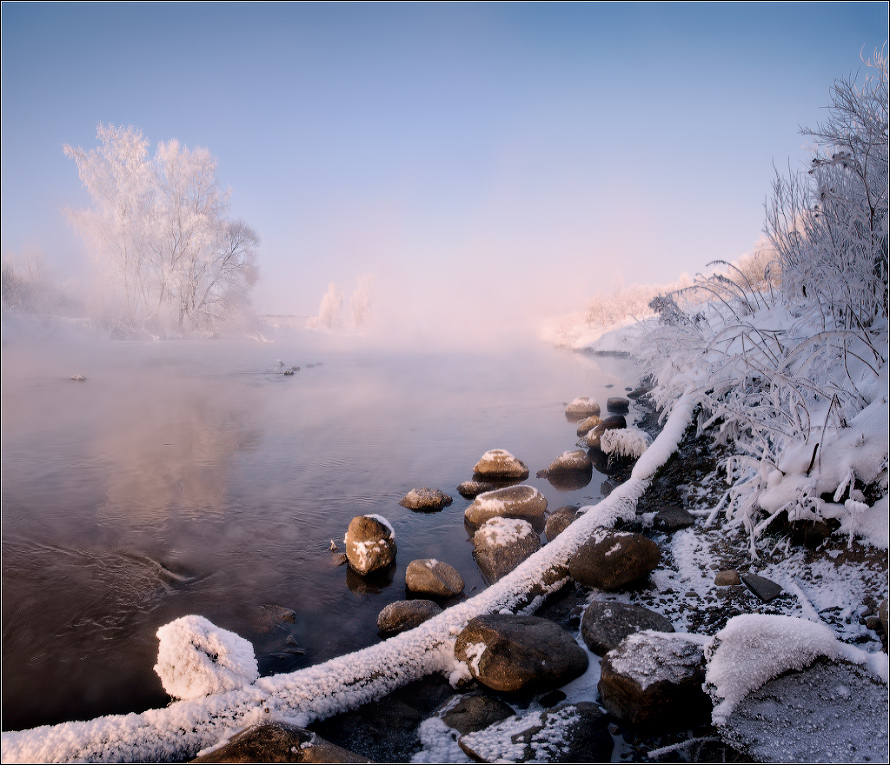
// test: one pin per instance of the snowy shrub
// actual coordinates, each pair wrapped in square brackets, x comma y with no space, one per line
[624,442]
[196,658]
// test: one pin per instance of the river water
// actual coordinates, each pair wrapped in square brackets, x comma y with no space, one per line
[194,477]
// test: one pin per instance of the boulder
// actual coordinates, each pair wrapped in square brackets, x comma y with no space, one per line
[370,544]
[507,653]
[425,499]
[559,520]
[673,519]
[568,733]
[618,404]
[582,407]
[571,462]
[727,578]
[654,680]
[610,560]
[279,742]
[522,501]
[474,712]
[405,615]
[472,489]
[500,464]
[763,588]
[588,424]
[831,711]
[501,544]
[615,422]
[428,576]
[606,623]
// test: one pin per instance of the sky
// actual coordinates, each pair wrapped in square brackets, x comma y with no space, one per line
[487,164]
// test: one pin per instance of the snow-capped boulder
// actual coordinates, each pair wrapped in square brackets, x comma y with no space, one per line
[500,464]
[618,404]
[571,462]
[507,653]
[568,733]
[405,615]
[370,544]
[279,742]
[501,544]
[592,439]
[522,501]
[425,499]
[559,520]
[428,576]
[588,424]
[196,658]
[474,711]
[606,623]
[653,680]
[582,407]
[610,560]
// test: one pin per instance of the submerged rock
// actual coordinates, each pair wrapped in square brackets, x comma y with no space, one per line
[370,544]
[405,615]
[501,544]
[279,742]
[425,499]
[500,464]
[523,501]
[429,576]
[568,733]
[606,623]
[582,407]
[654,680]
[507,653]
[610,560]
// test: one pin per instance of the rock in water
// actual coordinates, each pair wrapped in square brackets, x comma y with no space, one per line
[615,422]
[405,615]
[370,544]
[610,560]
[507,653]
[588,424]
[524,502]
[618,404]
[429,576]
[501,544]
[500,464]
[582,407]
[425,499]
[559,520]
[606,623]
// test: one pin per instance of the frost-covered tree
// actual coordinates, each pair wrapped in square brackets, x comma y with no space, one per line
[360,301]
[159,233]
[331,305]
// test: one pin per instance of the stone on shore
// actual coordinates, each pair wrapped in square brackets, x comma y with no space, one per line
[588,424]
[279,742]
[500,464]
[507,653]
[522,501]
[673,518]
[567,733]
[405,615]
[501,544]
[559,520]
[370,545]
[606,623]
[653,681]
[615,422]
[610,560]
[582,407]
[428,576]
[727,578]
[763,588]
[425,499]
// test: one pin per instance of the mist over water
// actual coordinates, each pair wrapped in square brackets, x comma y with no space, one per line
[195,477]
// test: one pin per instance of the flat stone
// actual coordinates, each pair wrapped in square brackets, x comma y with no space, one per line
[425,499]
[279,742]
[405,615]
[606,623]
[727,578]
[428,576]
[523,501]
[763,588]
[673,519]
[507,653]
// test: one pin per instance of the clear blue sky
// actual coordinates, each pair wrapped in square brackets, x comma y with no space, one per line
[520,158]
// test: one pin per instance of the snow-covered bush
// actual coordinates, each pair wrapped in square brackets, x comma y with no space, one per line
[625,442]
[787,365]
[196,658]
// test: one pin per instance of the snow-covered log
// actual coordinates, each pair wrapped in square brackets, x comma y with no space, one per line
[185,727]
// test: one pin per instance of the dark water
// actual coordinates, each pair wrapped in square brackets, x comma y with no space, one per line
[195,478]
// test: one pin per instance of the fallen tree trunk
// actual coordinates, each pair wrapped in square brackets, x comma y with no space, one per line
[182,729]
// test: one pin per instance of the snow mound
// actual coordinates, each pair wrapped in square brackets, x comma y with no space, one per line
[754,648]
[625,442]
[196,658]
